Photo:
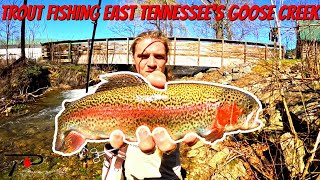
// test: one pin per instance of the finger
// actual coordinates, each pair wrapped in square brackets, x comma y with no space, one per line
[146,143]
[157,79]
[162,140]
[116,139]
[190,139]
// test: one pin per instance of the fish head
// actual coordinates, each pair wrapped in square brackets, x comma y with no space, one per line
[251,120]
[239,111]
[69,143]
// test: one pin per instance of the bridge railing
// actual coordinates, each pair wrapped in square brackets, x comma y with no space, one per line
[183,51]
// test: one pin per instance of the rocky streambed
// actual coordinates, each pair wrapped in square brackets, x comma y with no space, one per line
[282,148]
[274,152]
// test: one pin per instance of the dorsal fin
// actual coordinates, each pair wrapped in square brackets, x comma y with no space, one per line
[120,80]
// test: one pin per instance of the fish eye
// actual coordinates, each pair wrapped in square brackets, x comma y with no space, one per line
[250,106]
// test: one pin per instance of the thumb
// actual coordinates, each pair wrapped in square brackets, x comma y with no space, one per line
[157,79]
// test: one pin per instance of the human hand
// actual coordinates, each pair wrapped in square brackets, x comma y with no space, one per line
[149,141]
[157,79]
[160,137]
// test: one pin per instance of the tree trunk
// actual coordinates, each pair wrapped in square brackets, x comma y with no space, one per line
[7,43]
[299,43]
[23,35]
[218,25]
[228,27]
[171,29]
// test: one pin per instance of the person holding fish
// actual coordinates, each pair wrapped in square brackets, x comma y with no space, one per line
[156,156]
[128,104]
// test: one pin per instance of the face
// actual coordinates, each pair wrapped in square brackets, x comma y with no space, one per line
[149,56]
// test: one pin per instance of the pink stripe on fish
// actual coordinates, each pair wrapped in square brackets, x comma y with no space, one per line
[125,111]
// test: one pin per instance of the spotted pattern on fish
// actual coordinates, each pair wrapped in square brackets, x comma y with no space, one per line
[181,108]
[185,97]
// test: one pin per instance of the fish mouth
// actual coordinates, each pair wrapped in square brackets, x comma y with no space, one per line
[251,121]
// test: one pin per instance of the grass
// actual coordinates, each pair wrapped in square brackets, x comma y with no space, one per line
[266,67]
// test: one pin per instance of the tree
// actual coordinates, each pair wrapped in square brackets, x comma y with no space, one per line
[23,35]
[232,30]
[9,30]
[166,26]
[132,28]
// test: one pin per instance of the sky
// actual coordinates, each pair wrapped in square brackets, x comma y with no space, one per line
[47,30]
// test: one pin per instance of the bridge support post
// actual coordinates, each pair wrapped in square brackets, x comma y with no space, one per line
[198,51]
[70,52]
[265,52]
[245,52]
[128,50]
[107,51]
[51,47]
[88,49]
[174,50]
[222,53]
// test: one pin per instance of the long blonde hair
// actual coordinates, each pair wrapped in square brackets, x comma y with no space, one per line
[160,37]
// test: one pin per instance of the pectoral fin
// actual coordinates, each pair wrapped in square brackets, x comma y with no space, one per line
[73,142]
[214,135]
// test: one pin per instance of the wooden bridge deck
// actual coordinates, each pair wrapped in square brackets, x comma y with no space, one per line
[183,51]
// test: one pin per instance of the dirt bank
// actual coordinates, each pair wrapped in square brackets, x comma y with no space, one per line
[25,82]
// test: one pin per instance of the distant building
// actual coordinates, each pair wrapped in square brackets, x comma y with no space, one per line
[14,52]
[308,44]
[33,49]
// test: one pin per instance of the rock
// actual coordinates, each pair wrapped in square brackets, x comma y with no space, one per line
[236,76]
[211,70]
[275,121]
[247,69]
[227,80]
[219,158]
[193,153]
[199,171]
[225,73]
[293,152]
[199,76]
[218,146]
[298,76]
[236,70]
[233,170]
[288,70]
[198,145]
[285,76]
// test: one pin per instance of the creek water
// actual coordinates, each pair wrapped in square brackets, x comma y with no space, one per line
[32,133]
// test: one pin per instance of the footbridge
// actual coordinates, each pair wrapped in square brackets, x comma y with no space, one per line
[183,51]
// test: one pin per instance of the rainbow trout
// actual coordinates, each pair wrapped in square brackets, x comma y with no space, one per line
[127,101]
